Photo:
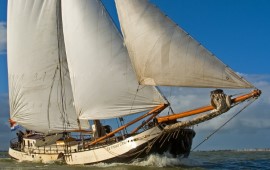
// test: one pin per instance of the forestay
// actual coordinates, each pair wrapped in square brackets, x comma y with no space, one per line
[164,54]
[39,84]
[103,81]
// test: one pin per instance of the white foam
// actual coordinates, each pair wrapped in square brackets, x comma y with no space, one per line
[165,160]
[155,160]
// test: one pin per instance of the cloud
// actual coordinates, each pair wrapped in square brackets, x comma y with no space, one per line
[252,119]
[3,37]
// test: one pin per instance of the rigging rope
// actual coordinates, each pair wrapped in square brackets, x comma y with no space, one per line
[134,99]
[223,124]
[170,108]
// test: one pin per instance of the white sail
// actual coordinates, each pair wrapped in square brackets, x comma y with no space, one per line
[39,87]
[103,82]
[164,54]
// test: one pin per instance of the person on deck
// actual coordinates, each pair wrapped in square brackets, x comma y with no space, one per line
[20,138]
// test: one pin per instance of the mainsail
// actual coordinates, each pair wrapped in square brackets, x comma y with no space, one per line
[164,54]
[39,85]
[103,81]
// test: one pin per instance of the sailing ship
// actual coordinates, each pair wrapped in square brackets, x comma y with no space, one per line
[69,67]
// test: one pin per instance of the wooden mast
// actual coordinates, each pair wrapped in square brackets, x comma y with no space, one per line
[253,94]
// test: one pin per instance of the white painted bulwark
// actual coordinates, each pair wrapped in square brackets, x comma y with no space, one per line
[32,157]
[112,151]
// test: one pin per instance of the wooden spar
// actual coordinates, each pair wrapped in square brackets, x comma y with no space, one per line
[254,93]
[155,110]
[81,131]
[150,118]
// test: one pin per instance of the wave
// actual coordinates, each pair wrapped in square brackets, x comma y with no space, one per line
[156,160]
[165,160]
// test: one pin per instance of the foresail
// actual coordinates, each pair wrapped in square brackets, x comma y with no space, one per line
[39,87]
[164,54]
[103,81]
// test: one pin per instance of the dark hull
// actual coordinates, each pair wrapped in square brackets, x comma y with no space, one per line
[177,143]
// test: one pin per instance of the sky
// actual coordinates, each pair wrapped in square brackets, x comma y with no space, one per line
[236,31]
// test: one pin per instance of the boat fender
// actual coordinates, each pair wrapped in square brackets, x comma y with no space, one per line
[187,143]
[183,145]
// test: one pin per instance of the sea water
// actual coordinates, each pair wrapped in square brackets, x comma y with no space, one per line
[197,160]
